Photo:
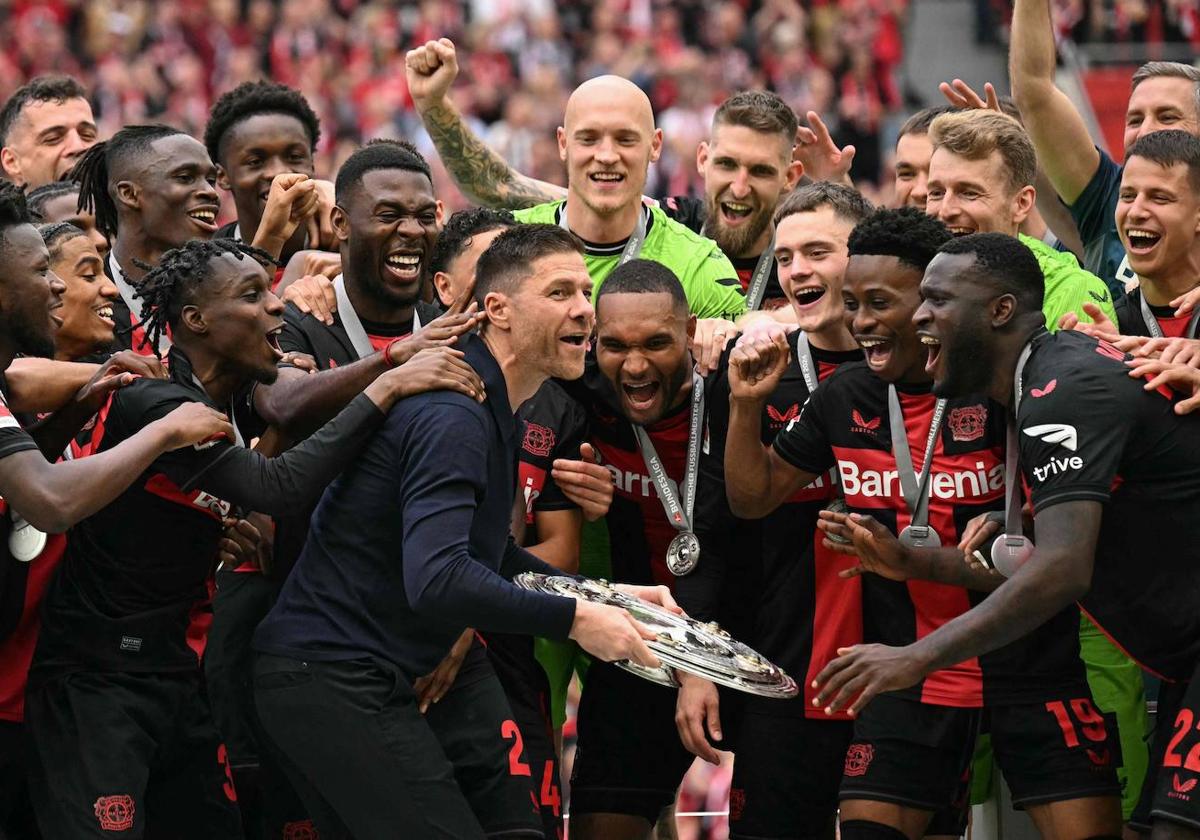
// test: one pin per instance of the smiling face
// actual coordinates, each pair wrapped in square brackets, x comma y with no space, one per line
[954,322]
[87,324]
[174,192]
[387,226]
[608,141]
[1158,218]
[642,350]
[745,172]
[253,152]
[242,318]
[30,293]
[975,196]
[913,152]
[64,208]
[459,277]
[881,293]
[47,139]
[810,256]
[1158,103]
[551,315]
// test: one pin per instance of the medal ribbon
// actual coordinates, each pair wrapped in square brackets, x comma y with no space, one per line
[1012,482]
[916,491]
[633,245]
[807,368]
[127,292]
[1152,323]
[679,510]
[351,323]
[758,280]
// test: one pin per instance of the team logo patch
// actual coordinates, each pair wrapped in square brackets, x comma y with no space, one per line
[737,803]
[860,424]
[539,440]
[858,759]
[967,423]
[300,830]
[1099,297]
[782,418]
[115,813]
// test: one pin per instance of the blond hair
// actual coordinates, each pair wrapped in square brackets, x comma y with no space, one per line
[975,134]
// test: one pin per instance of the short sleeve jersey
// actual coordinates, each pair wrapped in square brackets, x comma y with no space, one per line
[1094,212]
[133,571]
[1090,432]
[692,214]
[1068,287]
[553,426]
[801,612]
[708,278]
[846,424]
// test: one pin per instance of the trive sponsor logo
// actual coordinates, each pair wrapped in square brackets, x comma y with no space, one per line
[960,484]
[1057,466]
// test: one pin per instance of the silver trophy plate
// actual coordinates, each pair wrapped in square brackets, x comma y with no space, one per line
[684,643]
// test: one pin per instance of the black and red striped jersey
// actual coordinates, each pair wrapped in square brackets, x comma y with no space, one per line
[799,611]
[553,426]
[845,424]
[1090,432]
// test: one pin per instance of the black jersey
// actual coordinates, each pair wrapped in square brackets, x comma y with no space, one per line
[692,214]
[1089,431]
[846,423]
[554,425]
[1130,320]
[134,569]
[800,611]
[13,573]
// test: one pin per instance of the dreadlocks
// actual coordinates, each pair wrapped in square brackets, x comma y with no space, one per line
[95,170]
[179,275]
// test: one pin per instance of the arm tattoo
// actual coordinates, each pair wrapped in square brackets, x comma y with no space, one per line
[481,173]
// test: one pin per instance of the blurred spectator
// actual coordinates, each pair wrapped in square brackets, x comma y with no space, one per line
[168,60]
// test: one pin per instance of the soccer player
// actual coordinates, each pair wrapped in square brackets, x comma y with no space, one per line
[87,324]
[45,126]
[607,140]
[58,201]
[113,644]
[1156,217]
[911,750]
[981,176]
[1107,458]
[464,237]
[255,132]
[789,757]
[1164,95]
[408,547]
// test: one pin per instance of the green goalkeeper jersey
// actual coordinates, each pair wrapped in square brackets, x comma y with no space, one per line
[708,277]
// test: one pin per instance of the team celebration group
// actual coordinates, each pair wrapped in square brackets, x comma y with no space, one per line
[266,486]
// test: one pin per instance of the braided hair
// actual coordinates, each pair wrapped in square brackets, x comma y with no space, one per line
[57,234]
[175,281]
[94,171]
[41,196]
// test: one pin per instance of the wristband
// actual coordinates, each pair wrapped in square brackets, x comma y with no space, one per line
[388,362]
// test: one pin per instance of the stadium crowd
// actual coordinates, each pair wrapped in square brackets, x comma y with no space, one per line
[298,376]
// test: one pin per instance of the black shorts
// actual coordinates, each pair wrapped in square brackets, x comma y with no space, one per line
[17,821]
[629,759]
[133,753]
[1175,758]
[528,690]
[786,774]
[1056,750]
[368,764]
[913,754]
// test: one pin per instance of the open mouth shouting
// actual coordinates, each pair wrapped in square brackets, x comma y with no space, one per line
[876,349]
[204,217]
[1141,241]
[273,341]
[641,396]
[405,266]
[734,213]
[933,347]
[809,296]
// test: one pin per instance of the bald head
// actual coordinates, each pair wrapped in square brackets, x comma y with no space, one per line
[612,93]
[608,141]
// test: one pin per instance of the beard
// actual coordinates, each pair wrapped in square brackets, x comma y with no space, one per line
[733,241]
[968,369]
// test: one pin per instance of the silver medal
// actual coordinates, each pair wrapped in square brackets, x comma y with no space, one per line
[683,554]
[1009,553]
[25,542]
[920,536]
[837,506]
